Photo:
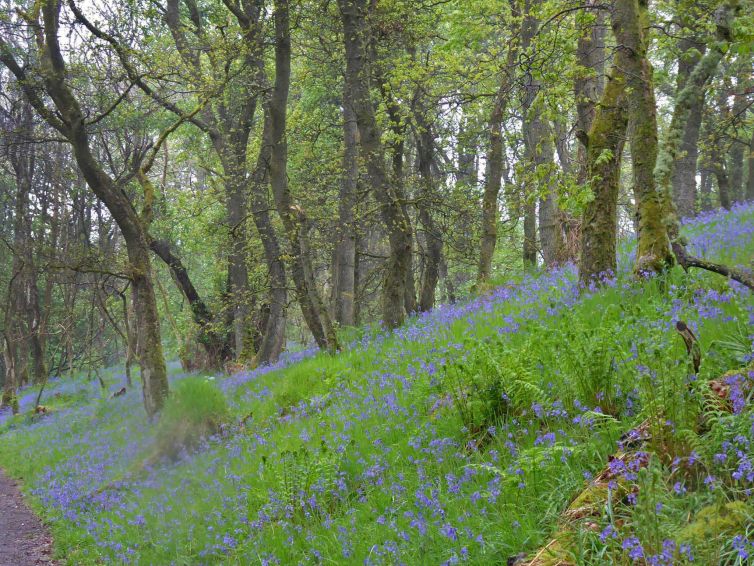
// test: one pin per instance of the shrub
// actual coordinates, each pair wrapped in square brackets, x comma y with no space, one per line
[195,410]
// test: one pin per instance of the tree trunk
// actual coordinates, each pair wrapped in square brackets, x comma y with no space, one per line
[397,222]
[273,336]
[736,154]
[496,159]
[604,149]
[589,84]
[654,252]
[686,100]
[705,189]
[294,219]
[492,181]
[71,124]
[539,154]
[236,205]
[684,173]
[344,289]
[431,275]
[750,178]
[723,182]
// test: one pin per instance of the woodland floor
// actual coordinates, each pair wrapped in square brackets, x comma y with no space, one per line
[24,540]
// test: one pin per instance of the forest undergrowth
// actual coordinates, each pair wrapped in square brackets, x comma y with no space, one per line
[466,436]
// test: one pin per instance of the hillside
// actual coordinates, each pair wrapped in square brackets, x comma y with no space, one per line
[458,438]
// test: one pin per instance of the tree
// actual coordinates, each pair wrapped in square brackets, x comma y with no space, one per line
[394,216]
[69,120]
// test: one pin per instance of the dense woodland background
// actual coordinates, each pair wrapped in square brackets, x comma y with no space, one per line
[224,180]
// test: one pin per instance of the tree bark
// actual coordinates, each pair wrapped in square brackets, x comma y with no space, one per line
[492,182]
[684,173]
[344,290]
[654,252]
[705,189]
[750,178]
[604,150]
[736,154]
[496,158]
[540,153]
[397,222]
[686,100]
[293,216]
[433,258]
[589,83]
[274,320]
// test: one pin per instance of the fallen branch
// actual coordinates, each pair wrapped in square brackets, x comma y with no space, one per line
[685,260]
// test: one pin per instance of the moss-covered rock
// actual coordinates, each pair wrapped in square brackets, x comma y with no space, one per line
[715,520]
[557,552]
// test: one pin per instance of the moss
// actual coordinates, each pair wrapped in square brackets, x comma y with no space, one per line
[558,552]
[715,520]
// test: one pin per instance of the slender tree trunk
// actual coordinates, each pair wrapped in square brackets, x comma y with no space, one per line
[397,222]
[492,182]
[496,159]
[654,252]
[236,204]
[294,219]
[684,173]
[736,153]
[425,150]
[530,235]
[130,333]
[604,149]
[344,289]
[273,336]
[750,178]
[540,154]
[723,182]
[705,189]
[589,83]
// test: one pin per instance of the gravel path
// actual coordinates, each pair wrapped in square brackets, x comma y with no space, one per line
[24,540]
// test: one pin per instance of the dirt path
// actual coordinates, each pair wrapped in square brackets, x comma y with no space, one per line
[24,541]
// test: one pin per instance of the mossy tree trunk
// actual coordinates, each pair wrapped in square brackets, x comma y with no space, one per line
[684,173]
[344,260]
[750,178]
[691,97]
[604,149]
[589,83]
[654,252]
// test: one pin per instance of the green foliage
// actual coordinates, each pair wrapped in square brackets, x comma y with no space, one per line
[195,410]
[301,473]
[490,384]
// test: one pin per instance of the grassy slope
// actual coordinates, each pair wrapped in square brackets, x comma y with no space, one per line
[398,451]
